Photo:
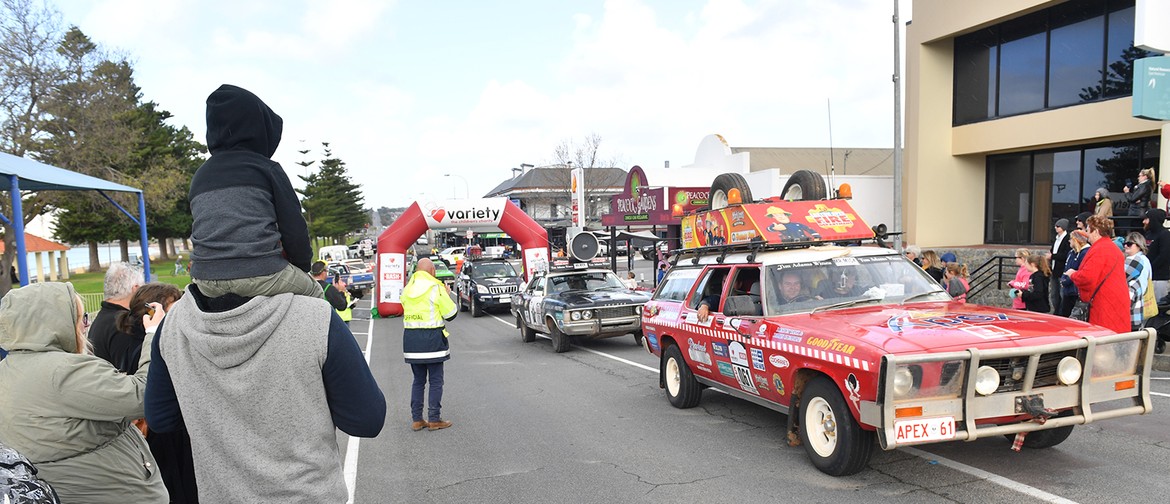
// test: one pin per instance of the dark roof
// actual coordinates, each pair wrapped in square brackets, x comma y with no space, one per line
[558,178]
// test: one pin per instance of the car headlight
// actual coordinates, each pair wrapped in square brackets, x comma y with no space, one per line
[903,381]
[482,289]
[588,314]
[1069,370]
[575,316]
[986,380]
[1115,359]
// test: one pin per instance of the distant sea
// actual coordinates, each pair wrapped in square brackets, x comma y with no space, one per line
[79,256]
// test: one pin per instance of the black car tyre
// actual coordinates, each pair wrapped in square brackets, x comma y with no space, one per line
[1037,440]
[833,440]
[682,389]
[459,301]
[527,335]
[723,184]
[638,337]
[476,309]
[560,342]
[804,185]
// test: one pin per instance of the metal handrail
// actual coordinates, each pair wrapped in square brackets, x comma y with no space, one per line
[991,274]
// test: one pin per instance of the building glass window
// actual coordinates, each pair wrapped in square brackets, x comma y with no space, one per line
[1078,51]
[1028,192]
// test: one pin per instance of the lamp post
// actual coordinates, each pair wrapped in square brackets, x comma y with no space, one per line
[466,191]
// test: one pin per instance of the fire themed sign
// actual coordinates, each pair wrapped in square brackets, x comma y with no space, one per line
[775,221]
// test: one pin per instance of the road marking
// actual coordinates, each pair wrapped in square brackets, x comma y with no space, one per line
[990,477]
[590,350]
[978,473]
[351,450]
[1160,377]
[1159,394]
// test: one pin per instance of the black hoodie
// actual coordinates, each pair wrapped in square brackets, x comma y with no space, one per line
[248,220]
[1158,243]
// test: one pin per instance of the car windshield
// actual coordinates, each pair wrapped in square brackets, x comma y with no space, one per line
[842,282]
[493,270]
[591,280]
[440,266]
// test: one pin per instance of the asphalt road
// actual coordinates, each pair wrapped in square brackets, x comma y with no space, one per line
[591,425]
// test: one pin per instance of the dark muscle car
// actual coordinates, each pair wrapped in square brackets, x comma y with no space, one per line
[590,303]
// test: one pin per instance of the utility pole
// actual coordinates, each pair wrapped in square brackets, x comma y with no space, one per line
[897,130]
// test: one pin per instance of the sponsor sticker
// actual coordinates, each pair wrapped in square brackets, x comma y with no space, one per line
[698,352]
[832,345]
[989,332]
[854,388]
[789,334]
[744,376]
[758,359]
[738,354]
[725,369]
[778,383]
[779,361]
[720,349]
[653,339]
[761,381]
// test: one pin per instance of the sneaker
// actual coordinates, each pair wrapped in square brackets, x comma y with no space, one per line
[418,425]
[441,424]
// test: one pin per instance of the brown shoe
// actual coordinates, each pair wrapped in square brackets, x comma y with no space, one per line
[418,425]
[441,424]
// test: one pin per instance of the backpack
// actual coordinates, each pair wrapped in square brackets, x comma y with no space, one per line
[19,483]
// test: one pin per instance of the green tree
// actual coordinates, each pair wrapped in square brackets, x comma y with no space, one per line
[89,128]
[331,201]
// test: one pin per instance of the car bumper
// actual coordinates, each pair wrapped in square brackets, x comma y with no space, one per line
[493,300]
[1095,396]
[602,328]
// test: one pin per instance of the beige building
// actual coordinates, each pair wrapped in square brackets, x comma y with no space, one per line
[1016,112]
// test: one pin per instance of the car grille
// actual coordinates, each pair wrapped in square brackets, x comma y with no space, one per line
[617,311]
[1045,370]
[503,289]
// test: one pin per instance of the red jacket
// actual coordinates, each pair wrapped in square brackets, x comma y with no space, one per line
[1104,265]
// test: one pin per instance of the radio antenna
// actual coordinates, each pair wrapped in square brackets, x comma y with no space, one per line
[832,164]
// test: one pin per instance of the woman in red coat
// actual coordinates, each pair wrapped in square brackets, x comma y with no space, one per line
[1104,266]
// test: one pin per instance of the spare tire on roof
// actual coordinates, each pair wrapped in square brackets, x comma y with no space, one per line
[723,184]
[804,185]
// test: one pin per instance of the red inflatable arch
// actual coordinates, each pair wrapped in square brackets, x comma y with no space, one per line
[488,213]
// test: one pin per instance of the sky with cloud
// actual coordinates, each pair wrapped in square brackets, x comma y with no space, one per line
[407,91]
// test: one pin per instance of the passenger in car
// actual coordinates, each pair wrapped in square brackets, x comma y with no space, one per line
[841,282]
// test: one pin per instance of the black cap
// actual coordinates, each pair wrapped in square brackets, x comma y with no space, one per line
[317,268]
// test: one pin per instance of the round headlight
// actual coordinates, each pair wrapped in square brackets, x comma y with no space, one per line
[575,315]
[1069,370]
[903,382]
[588,314]
[986,380]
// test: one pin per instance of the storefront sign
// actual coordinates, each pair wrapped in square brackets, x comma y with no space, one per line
[1151,88]
[640,204]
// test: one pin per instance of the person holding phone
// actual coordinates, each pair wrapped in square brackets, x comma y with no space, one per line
[334,288]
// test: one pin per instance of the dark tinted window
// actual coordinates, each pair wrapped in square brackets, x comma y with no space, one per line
[975,64]
[1021,67]
[1078,34]
[1009,198]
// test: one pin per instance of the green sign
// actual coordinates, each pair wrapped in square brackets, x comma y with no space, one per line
[1151,88]
[636,217]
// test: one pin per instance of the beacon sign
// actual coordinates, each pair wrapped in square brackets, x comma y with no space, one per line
[472,213]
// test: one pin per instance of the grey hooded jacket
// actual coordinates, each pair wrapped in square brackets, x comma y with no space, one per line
[70,413]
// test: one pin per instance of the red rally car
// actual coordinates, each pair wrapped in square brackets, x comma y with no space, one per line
[855,342]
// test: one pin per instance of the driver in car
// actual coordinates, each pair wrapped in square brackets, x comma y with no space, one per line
[790,287]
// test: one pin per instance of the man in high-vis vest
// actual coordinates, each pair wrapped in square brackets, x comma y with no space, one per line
[426,306]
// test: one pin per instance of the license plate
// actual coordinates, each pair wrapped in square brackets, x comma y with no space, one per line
[924,429]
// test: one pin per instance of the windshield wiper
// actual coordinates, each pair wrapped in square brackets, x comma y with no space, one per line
[921,294]
[845,304]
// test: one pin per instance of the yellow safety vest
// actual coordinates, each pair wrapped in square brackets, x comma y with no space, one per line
[425,303]
[346,314]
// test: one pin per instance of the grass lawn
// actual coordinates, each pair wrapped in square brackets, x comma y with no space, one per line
[91,283]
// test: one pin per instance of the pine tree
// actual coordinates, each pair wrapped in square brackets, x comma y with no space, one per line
[332,202]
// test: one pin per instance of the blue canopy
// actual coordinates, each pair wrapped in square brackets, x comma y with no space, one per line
[29,175]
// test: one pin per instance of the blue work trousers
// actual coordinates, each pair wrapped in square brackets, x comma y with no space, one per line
[421,374]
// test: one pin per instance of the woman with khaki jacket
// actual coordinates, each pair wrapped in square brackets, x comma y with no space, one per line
[1104,205]
[69,412]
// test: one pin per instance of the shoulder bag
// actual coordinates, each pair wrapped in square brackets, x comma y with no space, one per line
[1080,310]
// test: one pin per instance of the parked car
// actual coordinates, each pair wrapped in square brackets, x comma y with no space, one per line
[856,344]
[485,284]
[590,303]
[452,255]
[442,272]
[357,283]
[650,252]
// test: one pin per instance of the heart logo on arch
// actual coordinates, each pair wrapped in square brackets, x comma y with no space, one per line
[438,214]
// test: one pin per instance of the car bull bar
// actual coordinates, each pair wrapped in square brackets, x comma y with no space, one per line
[1028,396]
